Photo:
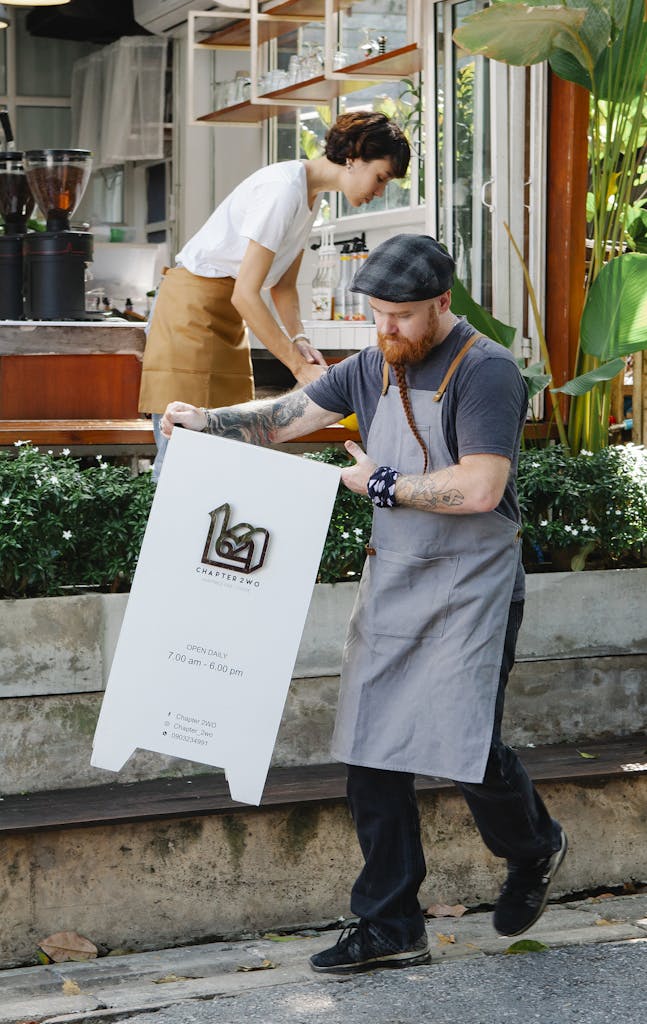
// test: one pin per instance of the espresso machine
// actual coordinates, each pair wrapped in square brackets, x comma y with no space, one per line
[55,260]
[16,206]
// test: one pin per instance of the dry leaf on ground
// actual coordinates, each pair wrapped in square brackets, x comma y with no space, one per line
[64,946]
[445,940]
[589,757]
[265,965]
[70,988]
[169,978]
[443,910]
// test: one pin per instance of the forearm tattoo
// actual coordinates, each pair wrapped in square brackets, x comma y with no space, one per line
[430,493]
[256,422]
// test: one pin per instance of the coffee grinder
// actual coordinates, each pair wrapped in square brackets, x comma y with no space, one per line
[55,260]
[16,206]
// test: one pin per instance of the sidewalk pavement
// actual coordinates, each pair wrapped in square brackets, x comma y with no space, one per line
[590,973]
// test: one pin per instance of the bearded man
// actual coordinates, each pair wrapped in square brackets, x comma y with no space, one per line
[432,636]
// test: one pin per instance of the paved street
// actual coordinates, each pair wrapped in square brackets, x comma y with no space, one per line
[591,973]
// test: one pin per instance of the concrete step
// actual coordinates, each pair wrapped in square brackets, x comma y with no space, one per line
[195,868]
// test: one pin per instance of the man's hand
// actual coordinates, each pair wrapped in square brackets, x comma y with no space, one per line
[309,372]
[356,477]
[183,415]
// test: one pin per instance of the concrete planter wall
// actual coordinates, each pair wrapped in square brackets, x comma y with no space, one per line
[581,673]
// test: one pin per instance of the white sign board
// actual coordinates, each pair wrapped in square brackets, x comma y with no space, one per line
[217,608]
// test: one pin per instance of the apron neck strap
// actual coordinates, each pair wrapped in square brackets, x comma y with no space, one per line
[385,377]
[454,365]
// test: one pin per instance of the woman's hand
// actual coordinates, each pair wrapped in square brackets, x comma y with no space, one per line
[309,352]
[356,477]
[182,415]
[307,373]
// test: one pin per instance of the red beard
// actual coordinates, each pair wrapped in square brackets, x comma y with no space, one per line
[401,351]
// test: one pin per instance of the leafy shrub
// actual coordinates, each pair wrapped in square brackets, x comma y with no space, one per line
[62,525]
[349,530]
[590,508]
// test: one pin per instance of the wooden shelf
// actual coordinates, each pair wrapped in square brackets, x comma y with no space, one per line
[242,113]
[273,21]
[406,60]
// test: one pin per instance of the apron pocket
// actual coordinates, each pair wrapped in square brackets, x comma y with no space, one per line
[409,596]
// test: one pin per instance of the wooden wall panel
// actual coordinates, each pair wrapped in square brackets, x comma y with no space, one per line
[69,387]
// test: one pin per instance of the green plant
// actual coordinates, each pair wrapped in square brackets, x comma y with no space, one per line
[349,530]
[65,526]
[588,509]
[601,45]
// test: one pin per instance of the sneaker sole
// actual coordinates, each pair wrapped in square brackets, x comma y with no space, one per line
[559,857]
[395,960]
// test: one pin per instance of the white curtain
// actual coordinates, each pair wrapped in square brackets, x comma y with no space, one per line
[118,101]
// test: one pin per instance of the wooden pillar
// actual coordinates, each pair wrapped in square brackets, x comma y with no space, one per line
[566,227]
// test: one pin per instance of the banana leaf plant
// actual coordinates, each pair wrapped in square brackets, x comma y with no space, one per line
[601,45]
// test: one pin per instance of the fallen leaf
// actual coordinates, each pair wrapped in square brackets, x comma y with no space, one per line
[442,910]
[589,757]
[602,896]
[70,988]
[445,940]
[42,957]
[265,965]
[526,946]
[64,946]
[275,937]
[604,920]
[169,978]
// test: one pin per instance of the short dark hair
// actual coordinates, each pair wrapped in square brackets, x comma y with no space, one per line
[366,135]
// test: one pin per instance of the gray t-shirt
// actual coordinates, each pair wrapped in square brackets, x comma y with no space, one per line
[483,410]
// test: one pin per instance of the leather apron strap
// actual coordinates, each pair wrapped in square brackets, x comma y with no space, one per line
[450,371]
[454,365]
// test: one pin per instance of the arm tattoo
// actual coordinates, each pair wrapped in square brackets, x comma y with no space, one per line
[429,493]
[256,422]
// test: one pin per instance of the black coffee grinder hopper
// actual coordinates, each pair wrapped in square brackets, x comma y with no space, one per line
[56,259]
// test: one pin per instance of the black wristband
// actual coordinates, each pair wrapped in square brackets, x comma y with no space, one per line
[381,487]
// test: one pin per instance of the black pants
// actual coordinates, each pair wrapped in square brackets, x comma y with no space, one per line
[506,807]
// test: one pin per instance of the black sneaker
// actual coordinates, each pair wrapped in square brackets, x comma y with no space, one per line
[525,892]
[361,947]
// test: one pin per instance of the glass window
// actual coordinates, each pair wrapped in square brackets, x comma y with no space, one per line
[156,193]
[44,67]
[103,202]
[464,153]
[373,26]
[43,127]
[3,62]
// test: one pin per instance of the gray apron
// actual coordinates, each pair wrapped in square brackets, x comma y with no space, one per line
[420,670]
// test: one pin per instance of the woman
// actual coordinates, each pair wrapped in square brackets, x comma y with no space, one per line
[197,349]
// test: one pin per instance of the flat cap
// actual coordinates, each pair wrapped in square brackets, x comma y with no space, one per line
[405,268]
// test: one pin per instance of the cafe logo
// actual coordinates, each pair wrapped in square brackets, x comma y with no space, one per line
[241,547]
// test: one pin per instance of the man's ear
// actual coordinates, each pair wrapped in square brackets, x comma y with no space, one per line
[444,301]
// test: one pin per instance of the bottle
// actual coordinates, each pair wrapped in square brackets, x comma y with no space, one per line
[326,277]
[360,308]
[345,277]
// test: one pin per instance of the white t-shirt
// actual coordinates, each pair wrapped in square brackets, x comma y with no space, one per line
[271,208]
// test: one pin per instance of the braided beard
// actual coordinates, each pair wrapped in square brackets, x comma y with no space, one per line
[402,351]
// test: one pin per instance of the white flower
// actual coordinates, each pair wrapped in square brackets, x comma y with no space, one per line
[583,521]
[66,451]
[67,534]
[98,458]
[358,532]
[6,501]
[543,522]
[104,465]
[53,479]
[49,451]
[17,444]
[345,536]
[536,465]
[585,451]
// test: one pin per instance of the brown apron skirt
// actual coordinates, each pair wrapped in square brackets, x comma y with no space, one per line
[197,348]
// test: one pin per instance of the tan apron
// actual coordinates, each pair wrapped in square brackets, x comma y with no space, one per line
[421,663]
[197,348]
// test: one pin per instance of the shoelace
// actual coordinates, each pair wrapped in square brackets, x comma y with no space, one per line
[356,931]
